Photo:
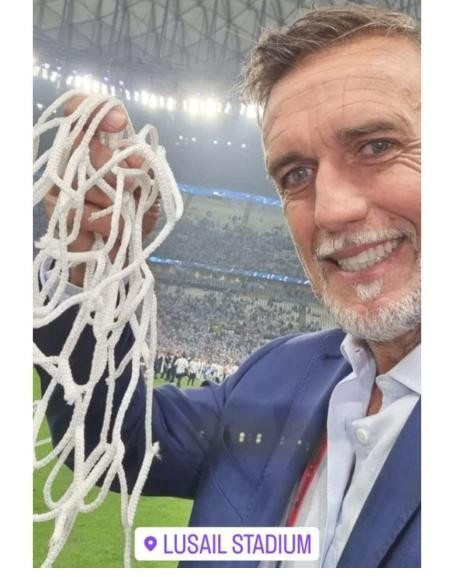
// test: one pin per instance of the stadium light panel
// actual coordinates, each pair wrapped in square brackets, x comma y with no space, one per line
[39,105]
[36,70]
[193,106]
[104,89]
[242,109]
[243,145]
[69,80]
[136,96]
[251,111]
[53,76]
[194,139]
[78,81]
[228,143]
[153,101]
[144,97]
[87,83]
[162,102]
[185,105]
[180,137]
[113,90]
[227,108]
[127,95]
[171,103]
[44,74]
[215,142]
[96,86]
[211,107]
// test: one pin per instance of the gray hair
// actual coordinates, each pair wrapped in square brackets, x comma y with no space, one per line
[280,49]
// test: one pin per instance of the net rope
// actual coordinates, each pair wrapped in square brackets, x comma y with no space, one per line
[115,293]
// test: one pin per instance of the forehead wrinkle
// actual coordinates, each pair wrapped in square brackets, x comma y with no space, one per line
[342,107]
[322,98]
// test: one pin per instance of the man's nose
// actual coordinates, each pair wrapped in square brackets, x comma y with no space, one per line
[340,198]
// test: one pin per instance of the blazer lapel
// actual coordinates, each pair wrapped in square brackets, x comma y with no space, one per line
[301,434]
[394,498]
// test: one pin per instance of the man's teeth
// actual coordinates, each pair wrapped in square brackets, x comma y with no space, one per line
[369,257]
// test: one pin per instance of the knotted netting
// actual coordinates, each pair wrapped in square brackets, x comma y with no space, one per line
[117,291]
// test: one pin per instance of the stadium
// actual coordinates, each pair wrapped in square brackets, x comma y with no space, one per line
[227,279]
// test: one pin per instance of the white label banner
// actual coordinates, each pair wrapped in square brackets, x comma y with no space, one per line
[226,543]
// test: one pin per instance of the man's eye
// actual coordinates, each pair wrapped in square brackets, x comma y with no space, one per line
[376,147]
[297,176]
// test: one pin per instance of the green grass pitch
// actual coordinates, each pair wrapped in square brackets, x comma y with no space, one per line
[97,538]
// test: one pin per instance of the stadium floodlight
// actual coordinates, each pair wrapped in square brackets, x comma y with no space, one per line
[251,111]
[194,139]
[105,78]
[185,105]
[136,96]
[193,106]
[211,107]
[243,145]
[180,137]
[53,76]
[127,94]
[39,105]
[162,102]
[171,103]
[227,108]
[87,83]
[78,81]
[36,70]
[44,74]
[144,97]
[242,109]
[112,90]
[228,143]
[95,86]
[215,142]
[104,89]
[69,80]
[153,102]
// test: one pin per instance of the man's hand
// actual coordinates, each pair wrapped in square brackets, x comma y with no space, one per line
[95,199]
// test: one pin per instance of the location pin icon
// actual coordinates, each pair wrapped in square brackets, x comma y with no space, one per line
[150,542]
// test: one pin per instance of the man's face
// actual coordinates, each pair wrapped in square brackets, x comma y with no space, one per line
[342,140]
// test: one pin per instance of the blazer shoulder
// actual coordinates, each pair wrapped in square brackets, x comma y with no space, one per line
[284,348]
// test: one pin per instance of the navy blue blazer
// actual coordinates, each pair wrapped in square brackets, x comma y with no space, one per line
[238,449]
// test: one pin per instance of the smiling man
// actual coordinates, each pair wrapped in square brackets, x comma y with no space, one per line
[319,430]
[340,94]
[342,139]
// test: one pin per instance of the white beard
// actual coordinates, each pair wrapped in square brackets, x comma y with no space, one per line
[378,324]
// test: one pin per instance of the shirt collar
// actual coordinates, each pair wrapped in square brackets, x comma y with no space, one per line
[406,372]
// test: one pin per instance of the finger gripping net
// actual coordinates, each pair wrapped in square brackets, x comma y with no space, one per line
[117,291]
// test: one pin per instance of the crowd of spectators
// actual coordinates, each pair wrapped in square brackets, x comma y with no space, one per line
[225,326]
[232,245]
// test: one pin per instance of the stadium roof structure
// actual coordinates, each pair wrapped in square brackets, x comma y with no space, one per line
[180,43]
